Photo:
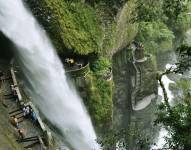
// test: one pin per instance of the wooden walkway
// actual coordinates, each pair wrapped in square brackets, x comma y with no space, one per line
[36,132]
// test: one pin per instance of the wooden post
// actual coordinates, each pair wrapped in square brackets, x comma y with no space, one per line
[16,84]
[42,143]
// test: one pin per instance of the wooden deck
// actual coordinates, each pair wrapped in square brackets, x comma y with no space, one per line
[37,136]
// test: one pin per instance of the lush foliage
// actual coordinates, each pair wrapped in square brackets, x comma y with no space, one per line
[101,65]
[183,85]
[84,27]
[154,10]
[177,119]
[155,36]
[99,100]
[173,8]
[73,26]
[79,27]
[183,21]
[150,10]
[112,5]
[100,92]
[172,14]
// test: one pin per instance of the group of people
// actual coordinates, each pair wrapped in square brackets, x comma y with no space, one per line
[71,63]
[21,131]
[27,111]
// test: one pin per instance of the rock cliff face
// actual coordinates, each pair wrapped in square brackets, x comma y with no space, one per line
[135,90]
[99,30]
[6,47]
[96,29]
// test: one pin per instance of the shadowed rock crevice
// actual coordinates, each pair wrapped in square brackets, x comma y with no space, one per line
[6,47]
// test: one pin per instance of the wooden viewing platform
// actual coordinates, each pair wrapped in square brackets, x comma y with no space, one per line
[44,138]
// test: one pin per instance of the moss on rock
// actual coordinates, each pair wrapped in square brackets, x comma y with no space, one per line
[99,92]
[74,25]
[99,100]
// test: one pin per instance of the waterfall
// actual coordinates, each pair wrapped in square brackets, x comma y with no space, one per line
[44,71]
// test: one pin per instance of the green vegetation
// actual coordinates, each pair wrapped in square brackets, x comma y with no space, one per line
[183,21]
[162,23]
[183,84]
[177,118]
[102,27]
[79,26]
[100,66]
[73,26]
[89,28]
[99,99]
[177,121]
[173,8]
[150,10]
[155,36]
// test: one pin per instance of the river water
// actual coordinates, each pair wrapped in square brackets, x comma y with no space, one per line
[56,99]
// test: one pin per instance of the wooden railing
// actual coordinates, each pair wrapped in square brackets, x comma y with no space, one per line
[81,72]
[15,84]
[48,136]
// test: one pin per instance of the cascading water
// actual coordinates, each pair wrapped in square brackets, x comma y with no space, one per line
[160,143]
[44,71]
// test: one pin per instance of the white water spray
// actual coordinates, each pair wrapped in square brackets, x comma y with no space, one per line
[163,132]
[45,73]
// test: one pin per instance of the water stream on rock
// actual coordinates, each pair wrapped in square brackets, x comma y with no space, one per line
[44,71]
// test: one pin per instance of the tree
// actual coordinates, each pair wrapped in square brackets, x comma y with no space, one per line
[150,10]
[177,119]
[155,36]
[172,8]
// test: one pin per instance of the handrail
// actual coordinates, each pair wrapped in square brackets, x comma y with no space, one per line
[37,116]
[40,122]
[15,83]
[79,72]
[74,70]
